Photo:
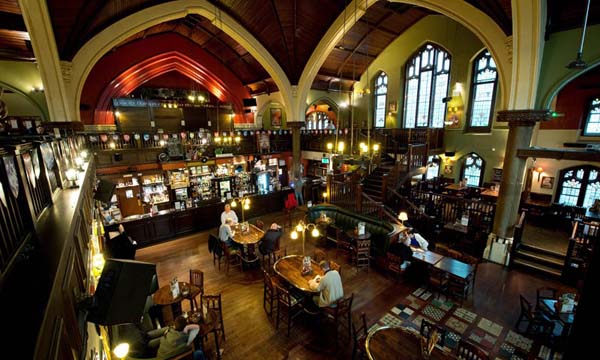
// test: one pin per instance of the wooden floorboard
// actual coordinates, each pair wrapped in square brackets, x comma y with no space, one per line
[250,333]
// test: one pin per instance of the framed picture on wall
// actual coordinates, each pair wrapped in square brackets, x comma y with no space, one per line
[276,117]
[547,182]
[497,175]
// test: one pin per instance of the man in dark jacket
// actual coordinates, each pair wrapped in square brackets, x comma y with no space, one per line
[268,243]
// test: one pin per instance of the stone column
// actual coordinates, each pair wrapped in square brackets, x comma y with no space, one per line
[296,151]
[521,124]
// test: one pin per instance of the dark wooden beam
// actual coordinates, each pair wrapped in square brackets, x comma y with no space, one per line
[383,30]
[559,154]
[9,21]
[337,76]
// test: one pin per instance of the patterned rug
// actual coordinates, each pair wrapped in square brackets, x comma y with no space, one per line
[498,341]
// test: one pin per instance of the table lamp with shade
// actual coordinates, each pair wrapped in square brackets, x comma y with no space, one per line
[403,216]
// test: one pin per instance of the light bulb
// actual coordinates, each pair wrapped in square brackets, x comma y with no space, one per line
[315,232]
[300,227]
[238,139]
[294,235]
[112,145]
[247,201]
[247,206]
[329,146]
[84,154]
[376,147]
[71,174]
[121,350]
[233,203]
[341,146]
[325,194]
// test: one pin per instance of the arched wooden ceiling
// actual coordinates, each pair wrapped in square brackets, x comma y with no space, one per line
[288,29]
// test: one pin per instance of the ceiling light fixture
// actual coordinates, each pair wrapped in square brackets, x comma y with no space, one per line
[578,63]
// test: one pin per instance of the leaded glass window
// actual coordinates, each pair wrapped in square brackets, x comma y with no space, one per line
[579,186]
[473,169]
[592,124]
[381,84]
[426,85]
[485,81]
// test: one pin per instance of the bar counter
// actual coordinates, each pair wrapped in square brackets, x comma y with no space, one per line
[149,229]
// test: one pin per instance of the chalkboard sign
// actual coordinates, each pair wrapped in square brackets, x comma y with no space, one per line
[497,175]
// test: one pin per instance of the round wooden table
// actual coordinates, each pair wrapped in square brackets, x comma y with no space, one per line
[398,343]
[290,269]
[171,307]
[354,235]
[248,241]
[208,323]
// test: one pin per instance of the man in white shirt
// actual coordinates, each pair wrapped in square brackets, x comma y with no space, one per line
[229,214]
[329,286]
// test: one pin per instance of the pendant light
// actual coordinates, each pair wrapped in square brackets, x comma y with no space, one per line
[578,63]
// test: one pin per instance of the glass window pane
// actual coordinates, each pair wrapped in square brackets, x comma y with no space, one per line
[410,103]
[439,107]
[424,99]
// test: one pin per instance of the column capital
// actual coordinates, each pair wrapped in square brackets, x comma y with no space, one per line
[523,117]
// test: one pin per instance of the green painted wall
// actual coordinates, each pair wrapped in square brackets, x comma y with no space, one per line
[559,51]
[266,116]
[21,77]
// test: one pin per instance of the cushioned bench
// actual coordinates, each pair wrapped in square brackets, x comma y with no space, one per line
[382,232]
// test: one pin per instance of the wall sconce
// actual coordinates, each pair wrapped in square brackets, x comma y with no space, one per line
[539,170]
[403,216]
[329,146]
[341,146]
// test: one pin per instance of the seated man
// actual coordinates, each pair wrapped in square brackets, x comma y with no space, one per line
[268,243]
[409,238]
[225,232]
[178,338]
[329,286]
[229,214]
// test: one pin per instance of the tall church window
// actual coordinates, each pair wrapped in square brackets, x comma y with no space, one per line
[483,92]
[426,85]
[381,84]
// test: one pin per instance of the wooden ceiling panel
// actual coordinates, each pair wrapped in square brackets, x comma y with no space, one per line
[10,6]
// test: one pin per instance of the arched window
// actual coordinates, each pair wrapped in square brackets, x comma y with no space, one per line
[380,99]
[579,186]
[426,85]
[472,170]
[592,122]
[483,92]
[433,167]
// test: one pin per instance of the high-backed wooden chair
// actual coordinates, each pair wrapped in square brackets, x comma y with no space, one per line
[319,255]
[344,244]
[269,293]
[260,224]
[278,254]
[359,331]
[438,280]
[362,254]
[232,258]
[544,293]
[537,322]
[468,351]
[214,246]
[394,265]
[288,307]
[341,314]
[213,302]
[196,279]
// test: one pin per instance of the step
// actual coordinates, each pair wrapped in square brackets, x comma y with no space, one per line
[525,264]
[541,259]
[540,250]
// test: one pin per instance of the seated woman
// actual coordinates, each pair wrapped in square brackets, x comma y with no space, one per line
[409,238]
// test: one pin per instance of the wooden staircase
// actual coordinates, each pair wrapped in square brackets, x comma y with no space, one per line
[535,259]
[374,184]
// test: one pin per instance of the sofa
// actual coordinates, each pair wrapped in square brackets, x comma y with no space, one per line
[382,232]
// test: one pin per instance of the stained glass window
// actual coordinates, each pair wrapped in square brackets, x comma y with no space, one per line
[579,186]
[380,99]
[485,81]
[592,125]
[427,79]
[473,169]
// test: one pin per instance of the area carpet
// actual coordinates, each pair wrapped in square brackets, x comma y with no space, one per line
[498,341]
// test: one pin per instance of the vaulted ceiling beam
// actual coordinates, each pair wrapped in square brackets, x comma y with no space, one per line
[10,21]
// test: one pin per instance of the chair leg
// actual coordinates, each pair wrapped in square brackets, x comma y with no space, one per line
[289,324]
[278,315]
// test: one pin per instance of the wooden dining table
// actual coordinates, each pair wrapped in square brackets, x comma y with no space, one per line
[389,342]
[426,256]
[248,240]
[171,306]
[455,267]
[290,269]
[565,318]
[208,321]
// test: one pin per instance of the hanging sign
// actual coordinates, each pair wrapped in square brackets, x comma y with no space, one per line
[156,137]
[2,196]
[29,168]
[126,137]
[36,164]
[183,135]
[93,138]
[136,136]
[166,136]
[104,137]
[115,137]
[11,173]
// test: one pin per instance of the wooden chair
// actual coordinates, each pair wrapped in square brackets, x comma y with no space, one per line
[278,254]
[537,322]
[394,265]
[343,309]
[360,337]
[260,224]
[196,279]
[362,254]
[232,258]
[319,255]
[438,280]
[214,246]
[288,307]
[467,351]
[213,302]
[335,266]
[454,254]
[427,329]
[344,245]
[269,293]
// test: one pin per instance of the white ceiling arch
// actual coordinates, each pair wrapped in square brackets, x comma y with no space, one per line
[91,52]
